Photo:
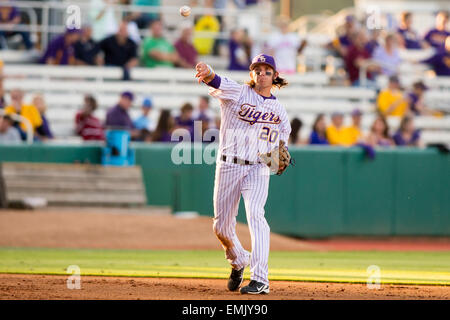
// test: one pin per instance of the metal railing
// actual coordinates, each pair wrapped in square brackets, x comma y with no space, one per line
[306,23]
[330,25]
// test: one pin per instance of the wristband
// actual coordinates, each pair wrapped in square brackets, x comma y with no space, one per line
[210,71]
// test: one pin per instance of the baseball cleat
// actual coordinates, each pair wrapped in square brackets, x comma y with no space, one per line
[236,278]
[255,287]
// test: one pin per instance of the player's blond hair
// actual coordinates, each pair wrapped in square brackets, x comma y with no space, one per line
[278,82]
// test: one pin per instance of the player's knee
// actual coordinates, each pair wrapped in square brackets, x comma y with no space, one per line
[222,231]
[217,227]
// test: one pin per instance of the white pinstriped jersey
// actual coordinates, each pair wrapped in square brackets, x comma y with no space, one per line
[249,122]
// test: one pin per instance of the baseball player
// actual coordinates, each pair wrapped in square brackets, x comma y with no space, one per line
[254,130]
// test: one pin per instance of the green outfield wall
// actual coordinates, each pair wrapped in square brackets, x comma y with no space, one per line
[330,191]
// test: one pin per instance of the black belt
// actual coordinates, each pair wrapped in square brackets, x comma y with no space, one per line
[236,160]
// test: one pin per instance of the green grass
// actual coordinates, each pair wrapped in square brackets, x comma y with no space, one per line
[349,266]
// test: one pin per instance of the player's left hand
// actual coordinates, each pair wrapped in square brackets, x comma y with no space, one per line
[278,159]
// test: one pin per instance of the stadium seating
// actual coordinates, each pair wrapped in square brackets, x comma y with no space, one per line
[307,94]
[158,75]
[68,184]
[17,56]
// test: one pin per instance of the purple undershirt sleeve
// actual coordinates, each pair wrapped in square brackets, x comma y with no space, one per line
[215,82]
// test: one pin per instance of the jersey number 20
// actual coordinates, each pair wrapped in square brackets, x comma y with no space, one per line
[268,135]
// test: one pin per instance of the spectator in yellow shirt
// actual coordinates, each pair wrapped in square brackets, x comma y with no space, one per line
[29,112]
[353,132]
[207,24]
[335,132]
[391,101]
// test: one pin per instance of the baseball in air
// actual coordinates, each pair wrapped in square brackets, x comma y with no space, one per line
[185,11]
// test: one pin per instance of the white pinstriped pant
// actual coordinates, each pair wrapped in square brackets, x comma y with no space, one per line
[252,181]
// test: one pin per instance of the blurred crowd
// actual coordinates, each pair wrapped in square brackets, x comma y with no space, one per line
[78,47]
[335,133]
[377,51]
[196,122]
[113,40]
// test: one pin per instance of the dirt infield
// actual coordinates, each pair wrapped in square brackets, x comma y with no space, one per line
[54,287]
[112,229]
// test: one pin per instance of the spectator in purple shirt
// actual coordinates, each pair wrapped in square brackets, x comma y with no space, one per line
[239,60]
[164,128]
[436,37]
[349,28]
[409,39]
[185,48]
[318,134]
[341,43]
[416,101]
[344,40]
[440,61]
[117,117]
[186,121]
[415,98]
[11,16]
[407,134]
[61,50]
[204,115]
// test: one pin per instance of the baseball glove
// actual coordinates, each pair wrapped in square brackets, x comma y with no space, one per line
[278,159]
